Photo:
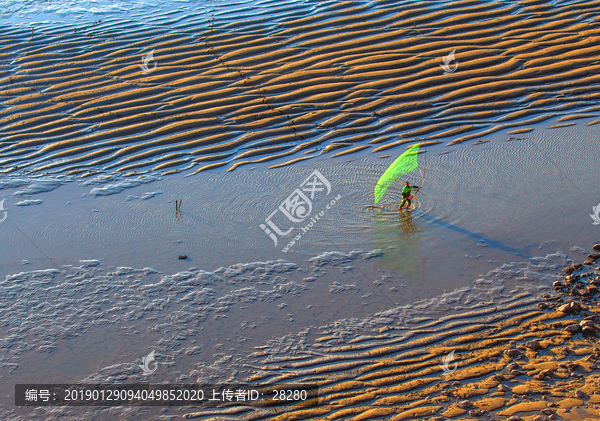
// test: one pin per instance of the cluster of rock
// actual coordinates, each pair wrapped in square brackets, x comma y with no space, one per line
[580,287]
[560,381]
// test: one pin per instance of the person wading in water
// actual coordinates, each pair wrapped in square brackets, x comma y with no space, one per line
[406,196]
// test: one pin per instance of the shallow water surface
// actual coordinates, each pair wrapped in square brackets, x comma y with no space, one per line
[479,205]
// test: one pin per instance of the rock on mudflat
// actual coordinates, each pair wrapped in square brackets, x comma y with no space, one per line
[574,277]
[570,308]
[476,412]
[547,411]
[512,366]
[512,353]
[572,328]
[534,345]
[464,404]
[568,270]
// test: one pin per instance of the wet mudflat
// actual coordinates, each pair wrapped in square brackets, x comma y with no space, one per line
[246,102]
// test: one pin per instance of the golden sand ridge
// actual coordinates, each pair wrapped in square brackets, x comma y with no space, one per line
[243,90]
[528,360]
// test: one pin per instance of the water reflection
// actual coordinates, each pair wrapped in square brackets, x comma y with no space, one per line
[398,234]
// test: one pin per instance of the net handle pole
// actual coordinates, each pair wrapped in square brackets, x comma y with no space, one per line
[424,165]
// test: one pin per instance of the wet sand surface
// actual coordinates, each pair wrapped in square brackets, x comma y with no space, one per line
[89,324]
[519,361]
[246,102]
[243,83]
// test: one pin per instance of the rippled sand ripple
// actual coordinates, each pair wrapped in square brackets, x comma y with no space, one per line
[248,84]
